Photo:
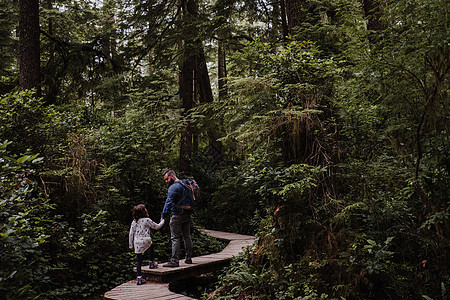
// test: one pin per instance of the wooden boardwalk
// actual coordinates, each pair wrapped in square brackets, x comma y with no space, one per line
[160,277]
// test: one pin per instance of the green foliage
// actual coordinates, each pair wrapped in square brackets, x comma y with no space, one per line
[224,203]
[328,23]
[298,286]
[104,172]
[90,259]
[391,207]
[41,253]
[283,105]
[336,147]
[8,21]
[25,228]
[130,152]
[392,126]
[243,280]
[29,123]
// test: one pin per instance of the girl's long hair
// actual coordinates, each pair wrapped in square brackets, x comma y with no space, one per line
[139,211]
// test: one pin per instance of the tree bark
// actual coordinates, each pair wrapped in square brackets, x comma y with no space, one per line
[29,46]
[194,73]
[50,78]
[373,11]
[186,89]
[284,25]
[293,13]
[206,96]
[222,72]
[187,97]
[202,76]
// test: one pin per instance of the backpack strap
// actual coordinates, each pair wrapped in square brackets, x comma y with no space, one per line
[190,187]
[178,204]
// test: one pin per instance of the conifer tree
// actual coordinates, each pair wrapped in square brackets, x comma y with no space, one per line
[29,46]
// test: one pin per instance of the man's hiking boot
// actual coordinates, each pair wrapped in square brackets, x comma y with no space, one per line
[152,265]
[140,280]
[171,264]
[188,261]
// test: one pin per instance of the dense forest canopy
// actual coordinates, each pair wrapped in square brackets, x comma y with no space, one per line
[319,126]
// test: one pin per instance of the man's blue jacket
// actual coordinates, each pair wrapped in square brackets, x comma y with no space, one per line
[174,195]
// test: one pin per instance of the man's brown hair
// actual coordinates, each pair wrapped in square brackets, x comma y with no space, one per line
[169,172]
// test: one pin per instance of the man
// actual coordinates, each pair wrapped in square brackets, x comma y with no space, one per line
[180,220]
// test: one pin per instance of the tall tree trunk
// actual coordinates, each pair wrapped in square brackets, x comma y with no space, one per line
[202,77]
[194,74]
[284,25]
[206,96]
[187,97]
[185,82]
[373,11]
[29,46]
[293,13]
[222,72]
[50,79]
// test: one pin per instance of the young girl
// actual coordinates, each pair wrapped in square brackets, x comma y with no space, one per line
[140,239]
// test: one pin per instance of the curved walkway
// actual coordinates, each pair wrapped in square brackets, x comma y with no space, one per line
[161,277]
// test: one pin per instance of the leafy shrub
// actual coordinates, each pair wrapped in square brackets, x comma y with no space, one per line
[25,228]
[30,124]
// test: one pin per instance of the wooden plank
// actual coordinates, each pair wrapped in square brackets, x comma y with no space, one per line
[229,236]
[130,290]
[201,264]
[159,289]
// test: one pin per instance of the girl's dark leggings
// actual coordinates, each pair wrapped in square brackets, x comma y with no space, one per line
[139,260]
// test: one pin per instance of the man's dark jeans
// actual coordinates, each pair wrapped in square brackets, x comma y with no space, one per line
[180,225]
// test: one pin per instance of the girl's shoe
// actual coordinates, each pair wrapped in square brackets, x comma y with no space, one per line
[140,280]
[152,265]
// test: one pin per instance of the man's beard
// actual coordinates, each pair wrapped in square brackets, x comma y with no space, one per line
[171,181]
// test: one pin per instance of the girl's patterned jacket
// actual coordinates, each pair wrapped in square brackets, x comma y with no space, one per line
[139,237]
